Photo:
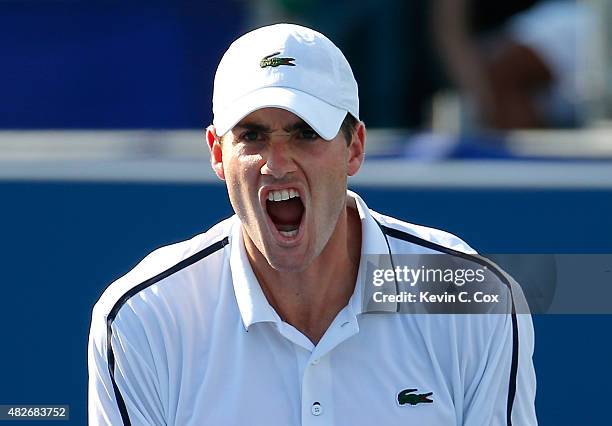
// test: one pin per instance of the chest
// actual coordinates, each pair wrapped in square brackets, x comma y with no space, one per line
[379,375]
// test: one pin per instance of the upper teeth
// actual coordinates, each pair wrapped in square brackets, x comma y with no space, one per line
[282,195]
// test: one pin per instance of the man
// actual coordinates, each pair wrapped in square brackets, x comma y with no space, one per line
[259,320]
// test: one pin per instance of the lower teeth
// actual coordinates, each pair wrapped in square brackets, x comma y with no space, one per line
[289,233]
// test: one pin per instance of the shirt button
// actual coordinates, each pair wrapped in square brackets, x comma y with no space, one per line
[315,361]
[316,409]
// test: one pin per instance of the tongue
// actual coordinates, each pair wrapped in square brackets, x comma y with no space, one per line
[288,212]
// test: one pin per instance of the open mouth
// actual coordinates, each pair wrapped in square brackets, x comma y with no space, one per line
[285,209]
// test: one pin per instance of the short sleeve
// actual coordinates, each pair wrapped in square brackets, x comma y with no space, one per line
[123,385]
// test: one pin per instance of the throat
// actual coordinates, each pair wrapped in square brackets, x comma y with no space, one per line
[286,215]
[309,300]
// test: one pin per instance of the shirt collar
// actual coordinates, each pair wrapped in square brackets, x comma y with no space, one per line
[252,303]
[373,243]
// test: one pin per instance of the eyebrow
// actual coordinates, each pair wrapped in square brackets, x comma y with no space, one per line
[252,126]
[259,127]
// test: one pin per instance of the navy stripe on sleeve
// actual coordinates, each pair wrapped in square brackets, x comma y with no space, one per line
[134,290]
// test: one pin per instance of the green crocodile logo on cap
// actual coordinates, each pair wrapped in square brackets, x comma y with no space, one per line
[270,61]
[408,397]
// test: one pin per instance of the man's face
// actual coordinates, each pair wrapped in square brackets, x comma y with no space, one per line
[286,184]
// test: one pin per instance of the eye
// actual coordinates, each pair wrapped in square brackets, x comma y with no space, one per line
[308,134]
[250,136]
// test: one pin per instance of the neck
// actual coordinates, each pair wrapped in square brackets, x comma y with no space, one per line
[310,299]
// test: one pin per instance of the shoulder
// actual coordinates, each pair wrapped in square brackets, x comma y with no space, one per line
[408,239]
[162,264]
[426,237]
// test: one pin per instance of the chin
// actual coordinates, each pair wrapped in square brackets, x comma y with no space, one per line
[288,263]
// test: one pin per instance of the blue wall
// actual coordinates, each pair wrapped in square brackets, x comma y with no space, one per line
[112,64]
[62,243]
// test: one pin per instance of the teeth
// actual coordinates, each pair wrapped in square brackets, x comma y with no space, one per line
[289,233]
[282,195]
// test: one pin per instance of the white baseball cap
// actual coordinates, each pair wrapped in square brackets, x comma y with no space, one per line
[285,66]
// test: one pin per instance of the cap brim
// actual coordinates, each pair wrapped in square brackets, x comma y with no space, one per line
[325,119]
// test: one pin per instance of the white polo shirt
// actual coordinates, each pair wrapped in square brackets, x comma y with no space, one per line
[188,338]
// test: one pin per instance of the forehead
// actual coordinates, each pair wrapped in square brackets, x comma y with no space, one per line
[273,118]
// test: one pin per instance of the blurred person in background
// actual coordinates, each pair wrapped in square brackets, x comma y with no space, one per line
[518,64]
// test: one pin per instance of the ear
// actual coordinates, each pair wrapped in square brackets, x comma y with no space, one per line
[356,150]
[216,151]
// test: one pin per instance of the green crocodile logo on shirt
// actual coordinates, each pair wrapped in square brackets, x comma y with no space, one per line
[269,61]
[408,397]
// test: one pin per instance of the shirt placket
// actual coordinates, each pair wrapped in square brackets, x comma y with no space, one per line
[316,369]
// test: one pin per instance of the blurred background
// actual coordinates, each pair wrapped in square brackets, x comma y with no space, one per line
[492,120]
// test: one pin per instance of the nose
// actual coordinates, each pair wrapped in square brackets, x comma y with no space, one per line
[279,160]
